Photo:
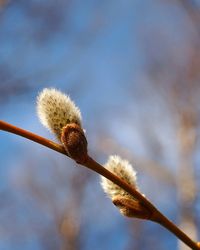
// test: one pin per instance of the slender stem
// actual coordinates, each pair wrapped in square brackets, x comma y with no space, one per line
[170,226]
[31,136]
[156,215]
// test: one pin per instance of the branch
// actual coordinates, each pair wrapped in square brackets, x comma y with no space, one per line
[33,137]
[155,215]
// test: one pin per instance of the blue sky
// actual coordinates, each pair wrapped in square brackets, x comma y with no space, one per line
[99,52]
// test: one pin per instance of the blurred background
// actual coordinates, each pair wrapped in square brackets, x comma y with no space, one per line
[133,68]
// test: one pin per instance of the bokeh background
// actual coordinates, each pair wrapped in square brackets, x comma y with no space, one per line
[133,67]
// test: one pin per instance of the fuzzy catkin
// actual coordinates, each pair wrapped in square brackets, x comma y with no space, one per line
[122,169]
[55,110]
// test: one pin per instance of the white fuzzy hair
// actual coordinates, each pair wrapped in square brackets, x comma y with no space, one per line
[123,169]
[55,110]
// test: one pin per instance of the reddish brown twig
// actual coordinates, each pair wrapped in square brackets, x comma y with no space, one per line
[155,215]
[31,136]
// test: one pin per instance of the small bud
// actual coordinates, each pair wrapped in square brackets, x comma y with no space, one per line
[74,142]
[122,169]
[56,110]
[131,208]
[127,204]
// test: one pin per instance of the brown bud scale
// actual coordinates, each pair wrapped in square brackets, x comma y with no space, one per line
[74,142]
[131,208]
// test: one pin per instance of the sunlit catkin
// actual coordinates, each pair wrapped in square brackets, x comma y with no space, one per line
[122,169]
[55,110]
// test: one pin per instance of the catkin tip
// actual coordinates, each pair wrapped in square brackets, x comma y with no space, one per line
[55,110]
